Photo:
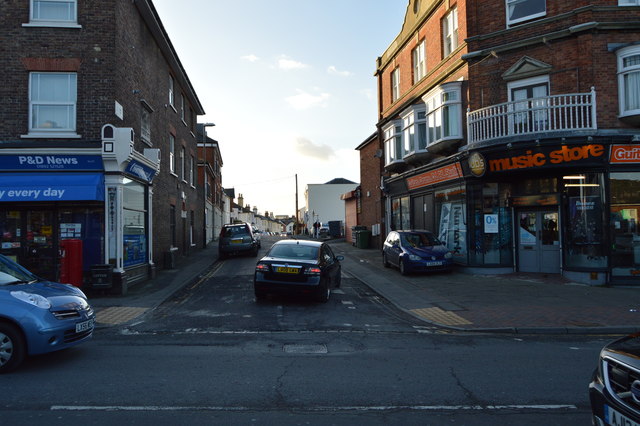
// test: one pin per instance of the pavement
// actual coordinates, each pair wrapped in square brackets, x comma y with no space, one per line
[512,303]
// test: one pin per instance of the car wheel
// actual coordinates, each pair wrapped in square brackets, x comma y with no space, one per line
[222,256]
[402,267]
[12,347]
[339,279]
[323,293]
[254,253]
[385,261]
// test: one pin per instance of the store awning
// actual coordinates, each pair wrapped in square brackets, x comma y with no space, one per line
[51,187]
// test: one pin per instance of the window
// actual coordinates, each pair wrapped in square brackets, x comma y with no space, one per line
[183,166]
[450,204]
[182,115]
[629,80]
[419,64]
[395,84]
[628,2]
[52,102]
[172,154]
[523,10]
[172,225]
[444,113]
[171,92]
[134,223]
[393,142]
[450,32]
[625,209]
[414,129]
[145,123]
[530,108]
[53,12]
[192,163]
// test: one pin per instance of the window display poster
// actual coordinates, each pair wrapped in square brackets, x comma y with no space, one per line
[491,224]
[135,249]
[453,228]
[70,230]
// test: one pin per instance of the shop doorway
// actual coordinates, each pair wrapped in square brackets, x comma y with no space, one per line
[538,241]
[41,255]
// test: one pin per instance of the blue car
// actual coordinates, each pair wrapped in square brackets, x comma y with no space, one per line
[416,251]
[38,316]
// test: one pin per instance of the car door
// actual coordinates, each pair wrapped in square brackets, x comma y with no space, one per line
[330,263]
[393,248]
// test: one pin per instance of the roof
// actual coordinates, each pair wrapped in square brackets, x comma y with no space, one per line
[300,242]
[339,181]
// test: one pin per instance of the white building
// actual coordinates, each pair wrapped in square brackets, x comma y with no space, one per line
[323,203]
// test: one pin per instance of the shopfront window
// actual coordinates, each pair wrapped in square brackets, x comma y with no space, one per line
[584,231]
[134,223]
[625,232]
[452,221]
[401,213]
[491,243]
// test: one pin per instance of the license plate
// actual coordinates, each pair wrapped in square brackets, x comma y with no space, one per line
[285,270]
[613,418]
[238,241]
[84,326]
[437,263]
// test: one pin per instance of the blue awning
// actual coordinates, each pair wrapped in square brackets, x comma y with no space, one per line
[51,187]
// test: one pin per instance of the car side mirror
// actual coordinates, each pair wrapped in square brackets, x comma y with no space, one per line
[339,258]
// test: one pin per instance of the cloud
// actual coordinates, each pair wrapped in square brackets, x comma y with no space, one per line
[307,148]
[250,58]
[286,63]
[304,100]
[334,71]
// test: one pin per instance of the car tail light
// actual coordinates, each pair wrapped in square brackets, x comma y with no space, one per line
[262,267]
[312,271]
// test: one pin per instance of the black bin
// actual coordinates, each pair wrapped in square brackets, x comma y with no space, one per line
[102,276]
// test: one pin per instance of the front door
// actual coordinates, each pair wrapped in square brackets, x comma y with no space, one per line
[40,255]
[538,241]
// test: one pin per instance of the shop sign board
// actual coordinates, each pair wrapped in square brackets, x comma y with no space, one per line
[50,162]
[536,158]
[140,170]
[625,154]
[432,177]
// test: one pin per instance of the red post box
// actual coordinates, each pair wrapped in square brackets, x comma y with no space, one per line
[71,262]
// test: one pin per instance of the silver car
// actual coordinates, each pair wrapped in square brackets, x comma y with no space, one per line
[237,238]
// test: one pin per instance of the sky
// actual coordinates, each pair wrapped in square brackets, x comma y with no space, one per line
[289,85]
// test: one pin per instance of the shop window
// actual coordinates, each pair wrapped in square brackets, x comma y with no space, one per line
[401,213]
[625,230]
[491,241]
[134,223]
[584,230]
[452,221]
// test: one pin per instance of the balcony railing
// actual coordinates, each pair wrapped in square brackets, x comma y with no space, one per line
[548,114]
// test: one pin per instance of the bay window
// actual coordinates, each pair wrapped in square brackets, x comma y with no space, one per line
[444,113]
[414,129]
[393,142]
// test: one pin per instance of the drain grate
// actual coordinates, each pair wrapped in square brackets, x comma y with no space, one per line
[305,349]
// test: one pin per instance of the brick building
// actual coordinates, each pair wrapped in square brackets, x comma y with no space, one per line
[510,128]
[98,141]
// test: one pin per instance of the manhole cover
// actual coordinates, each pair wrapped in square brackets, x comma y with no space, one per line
[305,349]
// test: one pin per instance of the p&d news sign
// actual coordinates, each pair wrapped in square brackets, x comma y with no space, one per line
[536,158]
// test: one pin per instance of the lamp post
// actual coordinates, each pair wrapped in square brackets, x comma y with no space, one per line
[205,181]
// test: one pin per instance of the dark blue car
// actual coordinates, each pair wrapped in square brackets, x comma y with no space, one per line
[38,316]
[415,251]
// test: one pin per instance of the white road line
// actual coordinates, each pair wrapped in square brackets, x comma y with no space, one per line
[554,407]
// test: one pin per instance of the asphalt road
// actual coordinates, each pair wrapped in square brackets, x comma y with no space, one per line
[212,355]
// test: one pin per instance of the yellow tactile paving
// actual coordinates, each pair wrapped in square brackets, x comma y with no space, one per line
[439,316]
[119,314]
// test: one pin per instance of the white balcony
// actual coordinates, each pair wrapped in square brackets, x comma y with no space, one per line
[534,116]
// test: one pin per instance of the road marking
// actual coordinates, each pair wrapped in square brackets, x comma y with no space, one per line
[118,314]
[305,349]
[361,408]
[440,316]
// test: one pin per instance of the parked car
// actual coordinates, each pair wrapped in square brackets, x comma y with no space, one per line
[38,316]
[298,266]
[257,234]
[416,251]
[614,390]
[237,238]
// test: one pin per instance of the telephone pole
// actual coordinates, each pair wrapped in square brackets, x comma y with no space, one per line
[295,230]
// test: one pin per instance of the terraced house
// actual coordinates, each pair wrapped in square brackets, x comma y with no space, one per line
[98,146]
[510,128]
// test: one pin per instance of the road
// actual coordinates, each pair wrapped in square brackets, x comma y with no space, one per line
[212,355]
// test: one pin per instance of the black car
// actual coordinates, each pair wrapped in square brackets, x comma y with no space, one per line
[298,266]
[615,388]
[237,238]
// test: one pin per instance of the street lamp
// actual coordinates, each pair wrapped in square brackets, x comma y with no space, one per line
[206,162]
